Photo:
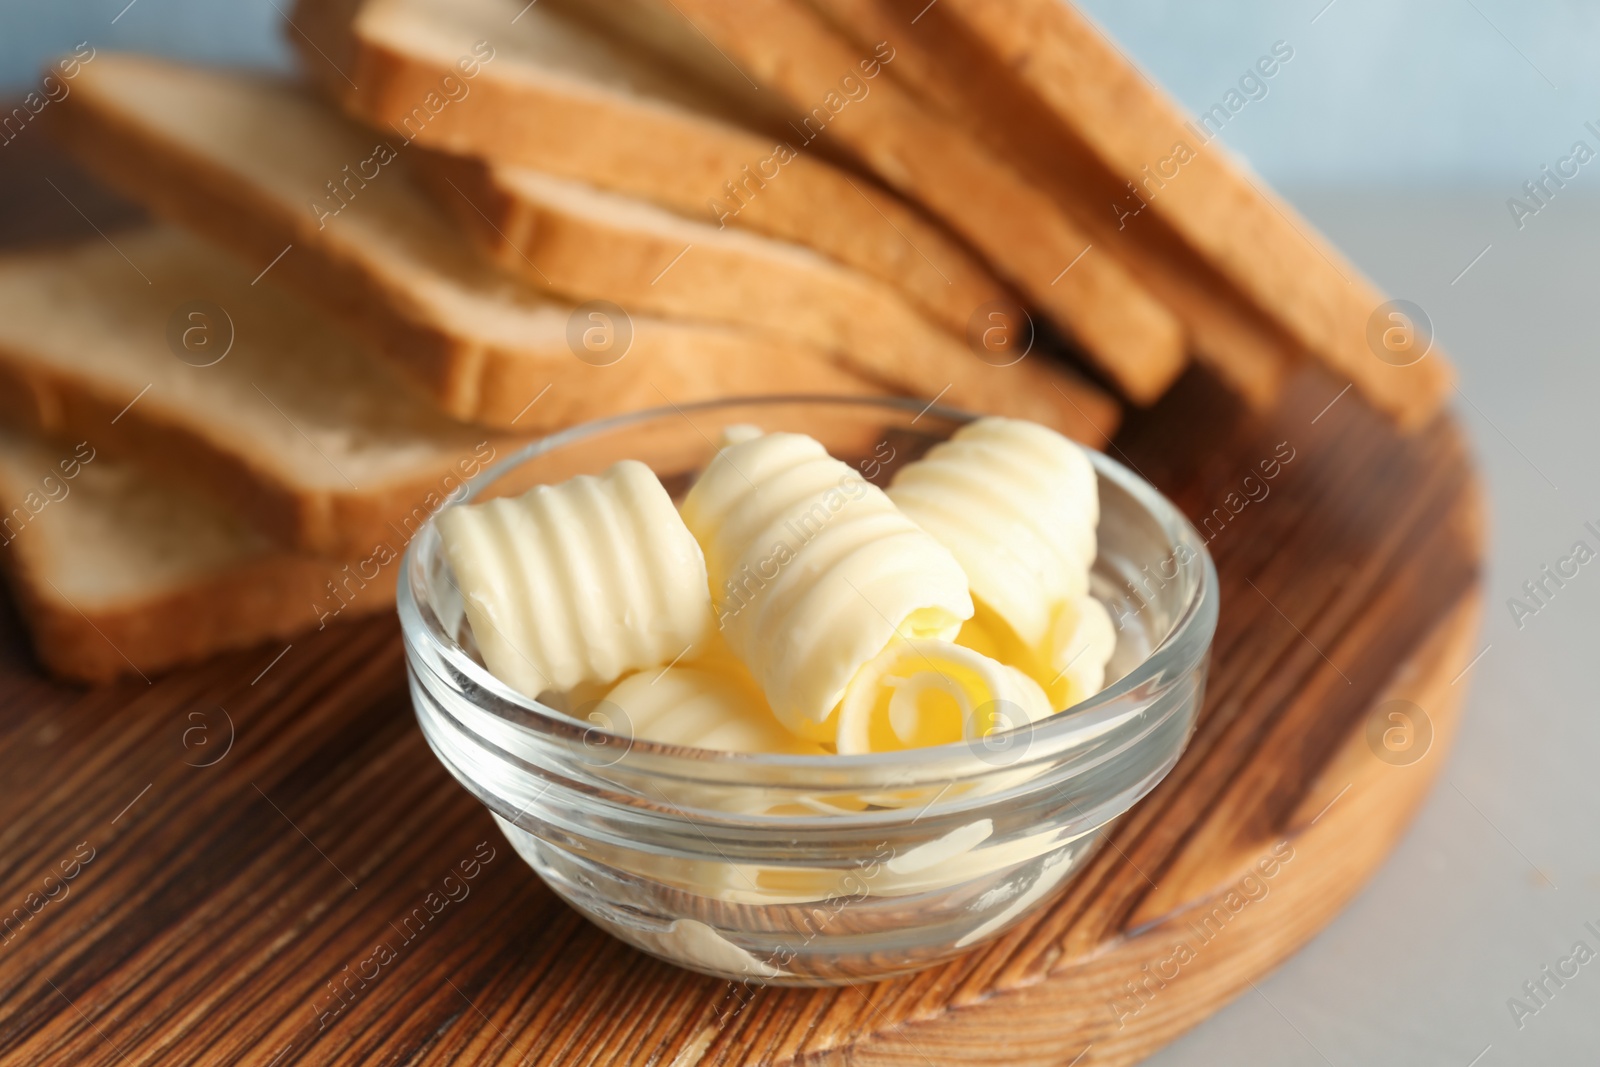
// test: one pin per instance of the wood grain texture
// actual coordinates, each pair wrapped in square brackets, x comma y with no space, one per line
[237,891]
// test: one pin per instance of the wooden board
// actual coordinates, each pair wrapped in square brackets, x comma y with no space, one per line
[245,834]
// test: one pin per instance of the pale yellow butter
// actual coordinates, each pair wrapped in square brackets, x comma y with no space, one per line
[581,582]
[917,693]
[1018,504]
[813,571]
[703,707]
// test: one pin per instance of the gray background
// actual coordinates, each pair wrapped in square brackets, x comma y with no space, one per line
[1401,128]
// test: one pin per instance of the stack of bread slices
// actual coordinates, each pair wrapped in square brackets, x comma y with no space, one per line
[474,221]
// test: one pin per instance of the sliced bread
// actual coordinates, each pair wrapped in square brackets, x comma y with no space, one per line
[525,85]
[1250,352]
[275,176]
[589,243]
[1087,102]
[258,164]
[159,348]
[792,53]
[117,572]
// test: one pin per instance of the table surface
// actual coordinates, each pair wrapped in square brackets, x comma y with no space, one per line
[1420,968]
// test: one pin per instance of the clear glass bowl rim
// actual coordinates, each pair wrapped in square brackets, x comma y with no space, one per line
[1188,640]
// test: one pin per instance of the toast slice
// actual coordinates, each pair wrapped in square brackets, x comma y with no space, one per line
[160,349]
[1249,352]
[274,175]
[1087,102]
[117,572]
[588,243]
[271,172]
[537,89]
[789,50]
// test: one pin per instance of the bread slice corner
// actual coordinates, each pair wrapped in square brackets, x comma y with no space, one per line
[117,573]
[157,347]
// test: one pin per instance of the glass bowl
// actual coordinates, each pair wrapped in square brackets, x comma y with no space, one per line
[814,870]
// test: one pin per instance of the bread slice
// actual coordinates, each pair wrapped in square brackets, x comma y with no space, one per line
[1249,352]
[274,175]
[1088,103]
[243,159]
[588,243]
[790,51]
[117,572]
[318,445]
[550,93]
[266,409]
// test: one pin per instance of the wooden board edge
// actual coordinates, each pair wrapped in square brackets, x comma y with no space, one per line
[1141,992]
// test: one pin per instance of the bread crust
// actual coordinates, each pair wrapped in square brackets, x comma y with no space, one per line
[791,50]
[1242,346]
[866,324]
[343,523]
[690,274]
[544,385]
[267,598]
[488,384]
[336,523]
[1274,259]
[251,593]
[653,150]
